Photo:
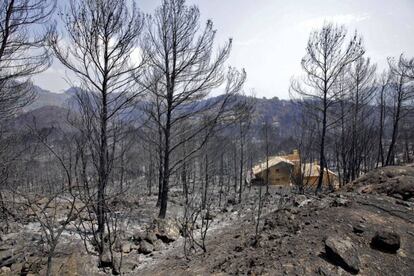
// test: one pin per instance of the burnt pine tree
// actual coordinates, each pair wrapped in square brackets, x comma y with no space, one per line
[402,92]
[361,93]
[100,37]
[22,50]
[327,56]
[22,55]
[383,83]
[182,61]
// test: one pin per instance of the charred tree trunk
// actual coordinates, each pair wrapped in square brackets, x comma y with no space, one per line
[166,166]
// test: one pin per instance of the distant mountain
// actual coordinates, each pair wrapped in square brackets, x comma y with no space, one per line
[46,98]
[49,109]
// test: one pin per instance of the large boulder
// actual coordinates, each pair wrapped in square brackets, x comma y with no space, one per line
[167,230]
[145,247]
[386,241]
[342,252]
[73,265]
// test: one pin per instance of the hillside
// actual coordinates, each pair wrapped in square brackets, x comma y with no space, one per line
[47,116]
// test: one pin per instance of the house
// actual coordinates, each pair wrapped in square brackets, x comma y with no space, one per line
[285,169]
[279,171]
[311,171]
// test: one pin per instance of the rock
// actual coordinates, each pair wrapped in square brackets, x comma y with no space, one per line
[115,270]
[238,248]
[151,237]
[268,224]
[116,266]
[167,230]
[299,200]
[138,236]
[158,245]
[306,202]
[341,202]
[231,201]
[386,241]
[148,236]
[106,260]
[10,257]
[16,268]
[403,203]
[358,229]
[210,215]
[126,248]
[343,253]
[72,265]
[8,237]
[324,272]
[295,210]
[86,216]
[397,196]
[27,267]
[5,254]
[134,246]
[145,248]
[224,210]
[5,270]
[118,245]
[274,236]
[128,266]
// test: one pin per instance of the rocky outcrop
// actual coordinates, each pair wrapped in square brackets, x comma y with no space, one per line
[395,181]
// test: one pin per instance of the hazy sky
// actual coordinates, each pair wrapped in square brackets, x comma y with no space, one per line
[270,35]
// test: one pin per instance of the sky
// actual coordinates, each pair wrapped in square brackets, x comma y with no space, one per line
[270,36]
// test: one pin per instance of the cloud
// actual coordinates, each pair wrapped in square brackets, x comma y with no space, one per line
[338,19]
[249,42]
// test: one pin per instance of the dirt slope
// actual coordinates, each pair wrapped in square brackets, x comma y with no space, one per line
[293,240]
